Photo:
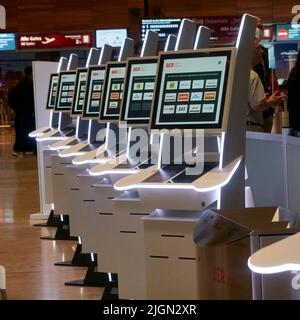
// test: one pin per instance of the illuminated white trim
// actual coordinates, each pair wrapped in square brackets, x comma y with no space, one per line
[179,36]
[52,206]
[90,161]
[274,269]
[61,217]
[70,61]
[92,257]
[50,119]
[219,199]
[77,127]
[128,142]
[113,171]
[87,64]
[59,121]
[60,64]
[220,185]
[72,154]
[89,131]
[222,150]
[101,56]
[31,135]
[107,135]
[121,51]
[160,150]
[237,45]
[161,185]
[199,33]
[64,147]
[144,43]
[167,44]
[79,240]
[187,186]
[219,143]
[50,138]
[151,138]
[61,60]
[109,277]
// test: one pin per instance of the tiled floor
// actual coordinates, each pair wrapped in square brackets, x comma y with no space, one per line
[29,261]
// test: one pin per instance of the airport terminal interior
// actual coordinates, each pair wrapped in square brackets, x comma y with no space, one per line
[149,150]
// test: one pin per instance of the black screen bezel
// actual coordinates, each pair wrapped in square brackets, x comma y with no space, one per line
[73,111]
[52,75]
[105,88]
[58,91]
[85,114]
[130,63]
[190,54]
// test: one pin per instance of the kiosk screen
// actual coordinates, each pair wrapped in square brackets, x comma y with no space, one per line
[94,92]
[66,89]
[138,93]
[80,88]
[190,90]
[112,91]
[52,91]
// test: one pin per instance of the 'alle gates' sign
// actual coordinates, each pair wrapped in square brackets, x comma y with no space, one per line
[55,40]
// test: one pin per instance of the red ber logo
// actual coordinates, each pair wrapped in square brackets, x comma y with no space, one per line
[170,65]
[282,34]
[114,71]
[136,69]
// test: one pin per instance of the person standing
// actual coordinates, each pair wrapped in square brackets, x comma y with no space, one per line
[293,86]
[21,100]
[261,67]
[258,102]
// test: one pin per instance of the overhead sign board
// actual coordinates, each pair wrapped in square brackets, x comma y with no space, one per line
[55,40]
[163,27]
[285,32]
[7,42]
[223,28]
[113,37]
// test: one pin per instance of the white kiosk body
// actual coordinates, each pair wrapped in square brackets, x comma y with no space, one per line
[220,111]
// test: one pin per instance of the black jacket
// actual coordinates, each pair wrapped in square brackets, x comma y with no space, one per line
[21,98]
[293,87]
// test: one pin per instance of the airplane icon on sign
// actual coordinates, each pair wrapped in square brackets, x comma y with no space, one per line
[48,40]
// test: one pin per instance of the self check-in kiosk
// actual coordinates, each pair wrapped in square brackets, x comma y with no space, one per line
[60,97]
[86,210]
[79,106]
[94,85]
[62,124]
[112,86]
[60,185]
[44,162]
[122,219]
[194,90]
[51,99]
[94,90]
[78,103]
[61,94]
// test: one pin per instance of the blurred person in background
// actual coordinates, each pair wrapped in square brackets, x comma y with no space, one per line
[261,67]
[21,100]
[258,101]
